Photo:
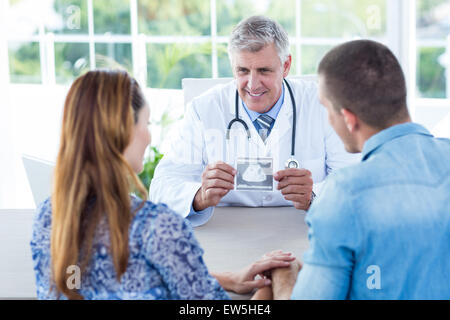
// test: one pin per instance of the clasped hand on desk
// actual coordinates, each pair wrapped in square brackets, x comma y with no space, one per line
[244,281]
[283,280]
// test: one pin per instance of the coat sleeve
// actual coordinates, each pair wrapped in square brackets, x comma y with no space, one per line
[336,157]
[178,175]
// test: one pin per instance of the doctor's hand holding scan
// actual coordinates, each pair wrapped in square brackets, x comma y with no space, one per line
[259,124]
[296,185]
[217,181]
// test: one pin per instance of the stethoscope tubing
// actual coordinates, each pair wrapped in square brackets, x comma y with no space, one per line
[294,118]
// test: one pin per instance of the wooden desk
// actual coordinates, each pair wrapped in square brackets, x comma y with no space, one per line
[236,237]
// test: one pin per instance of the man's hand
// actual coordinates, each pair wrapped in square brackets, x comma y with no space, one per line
[244,281]
[217,181]
[284,279]
[276,254]
[263,294]
[296,185]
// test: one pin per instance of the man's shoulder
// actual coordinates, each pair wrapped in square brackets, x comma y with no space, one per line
[353,178]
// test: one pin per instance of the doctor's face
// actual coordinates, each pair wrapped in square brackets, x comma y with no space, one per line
[259,77]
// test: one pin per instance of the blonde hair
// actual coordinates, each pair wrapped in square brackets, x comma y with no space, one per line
[92,179]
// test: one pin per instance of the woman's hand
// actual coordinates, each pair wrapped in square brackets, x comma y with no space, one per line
[244,281]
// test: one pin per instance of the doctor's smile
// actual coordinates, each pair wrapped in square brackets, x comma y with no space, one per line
[255,95]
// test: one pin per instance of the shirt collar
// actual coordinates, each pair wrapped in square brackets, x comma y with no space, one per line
[384,136]
[273,113]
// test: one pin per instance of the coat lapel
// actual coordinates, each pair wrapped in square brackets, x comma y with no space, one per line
[283,123]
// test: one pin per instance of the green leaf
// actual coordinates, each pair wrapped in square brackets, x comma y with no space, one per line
[150,164]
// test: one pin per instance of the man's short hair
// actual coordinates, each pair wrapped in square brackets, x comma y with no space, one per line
[366,78]
[254,33]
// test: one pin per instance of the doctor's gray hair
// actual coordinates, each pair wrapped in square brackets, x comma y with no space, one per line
[254,33]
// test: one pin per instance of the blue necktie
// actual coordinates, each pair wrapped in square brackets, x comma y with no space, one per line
[265,122]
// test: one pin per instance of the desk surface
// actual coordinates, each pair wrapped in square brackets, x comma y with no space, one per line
[236,237]
[16,267]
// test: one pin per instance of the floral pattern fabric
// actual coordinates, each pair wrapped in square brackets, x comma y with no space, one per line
[165,260]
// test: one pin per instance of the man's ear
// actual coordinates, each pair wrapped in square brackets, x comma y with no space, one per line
[287,66]
[350,119]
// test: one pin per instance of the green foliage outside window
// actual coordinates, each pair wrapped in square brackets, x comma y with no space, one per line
[150,164]
[71,61]
[112,16]
[174,17]
[430,80]
[24,63]
[168,63]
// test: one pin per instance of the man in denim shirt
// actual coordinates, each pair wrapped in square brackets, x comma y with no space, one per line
[381,228]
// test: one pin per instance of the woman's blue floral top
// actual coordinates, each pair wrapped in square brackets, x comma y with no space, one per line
[165,259]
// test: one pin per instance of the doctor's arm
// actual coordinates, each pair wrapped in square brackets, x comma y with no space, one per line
[178,175]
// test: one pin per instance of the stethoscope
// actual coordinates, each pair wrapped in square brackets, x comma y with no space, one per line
[291,163]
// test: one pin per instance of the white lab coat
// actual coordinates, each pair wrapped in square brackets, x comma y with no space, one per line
[201,140]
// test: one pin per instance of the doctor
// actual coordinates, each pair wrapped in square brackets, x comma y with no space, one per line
[258,115]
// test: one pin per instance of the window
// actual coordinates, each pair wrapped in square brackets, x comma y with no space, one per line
[24,63]
[160,41]
[433,48]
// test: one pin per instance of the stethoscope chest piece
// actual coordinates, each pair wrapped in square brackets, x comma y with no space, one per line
[292,163]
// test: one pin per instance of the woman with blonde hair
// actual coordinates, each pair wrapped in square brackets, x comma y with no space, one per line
[123,246]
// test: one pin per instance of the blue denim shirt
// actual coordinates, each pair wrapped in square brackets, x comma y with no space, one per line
[381,228]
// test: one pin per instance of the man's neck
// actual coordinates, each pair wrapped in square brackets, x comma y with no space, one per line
[366,132]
